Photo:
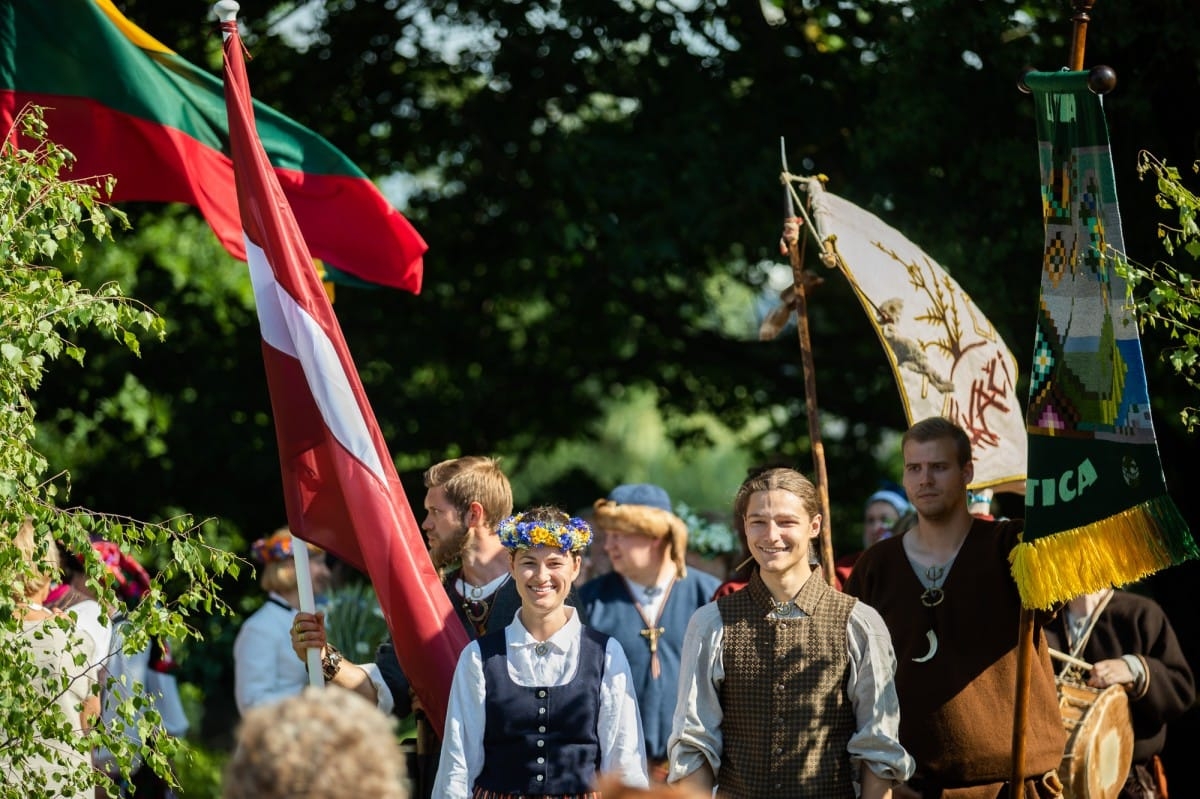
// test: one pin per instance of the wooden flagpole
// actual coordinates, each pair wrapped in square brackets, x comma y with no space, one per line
[1016,784]
[1079,39]
[796,246]
[1025,636]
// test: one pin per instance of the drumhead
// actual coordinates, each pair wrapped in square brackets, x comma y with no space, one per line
[1100,747]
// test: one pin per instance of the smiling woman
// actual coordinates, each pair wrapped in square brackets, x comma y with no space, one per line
[544,706]
[543,578]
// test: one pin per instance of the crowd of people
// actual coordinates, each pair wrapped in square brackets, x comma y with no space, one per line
[894,682]
[655,679]
[899,681]
[84,665]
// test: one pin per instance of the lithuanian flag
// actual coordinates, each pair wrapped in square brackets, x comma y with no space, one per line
[128,106]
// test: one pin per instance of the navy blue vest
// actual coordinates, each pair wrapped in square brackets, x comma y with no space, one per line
[541,740]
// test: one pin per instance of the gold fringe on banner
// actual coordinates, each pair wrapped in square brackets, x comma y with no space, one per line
[1121,549]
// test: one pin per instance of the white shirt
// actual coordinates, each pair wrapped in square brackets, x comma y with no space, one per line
[696,728]
[619,727]
[59,681]
[650,602]
[480,592]
[160,690]
[266,668]
[93,622]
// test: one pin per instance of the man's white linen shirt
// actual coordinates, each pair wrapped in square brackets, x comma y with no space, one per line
[266,668]
[696,727]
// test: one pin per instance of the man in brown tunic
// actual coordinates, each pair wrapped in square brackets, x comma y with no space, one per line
[945,590]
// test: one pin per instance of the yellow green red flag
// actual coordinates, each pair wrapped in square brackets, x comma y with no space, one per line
[126,105]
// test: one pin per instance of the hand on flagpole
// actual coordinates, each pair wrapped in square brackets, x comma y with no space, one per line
[791,234]
[312,656]
[308,636]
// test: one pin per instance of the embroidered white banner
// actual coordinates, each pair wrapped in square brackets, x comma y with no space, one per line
[947,357]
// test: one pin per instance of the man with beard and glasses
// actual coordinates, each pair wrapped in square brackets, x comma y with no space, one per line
[465,500]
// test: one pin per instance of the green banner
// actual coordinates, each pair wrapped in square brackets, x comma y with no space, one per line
[1097,511]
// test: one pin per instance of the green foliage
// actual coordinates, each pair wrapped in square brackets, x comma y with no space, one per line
[45,220]
[575,172]
[1166,298]
[356,624]
[200,771]
[635,443]
[706,536]
[1174,196]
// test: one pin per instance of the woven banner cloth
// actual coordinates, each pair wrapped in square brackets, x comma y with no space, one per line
[947,358]
[1097,510]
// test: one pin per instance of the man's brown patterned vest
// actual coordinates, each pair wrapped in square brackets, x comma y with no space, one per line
[787,717]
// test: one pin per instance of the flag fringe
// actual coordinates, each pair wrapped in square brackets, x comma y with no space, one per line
[1110,552]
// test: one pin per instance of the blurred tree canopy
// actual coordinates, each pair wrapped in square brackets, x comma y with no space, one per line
[593,177]
[598,180]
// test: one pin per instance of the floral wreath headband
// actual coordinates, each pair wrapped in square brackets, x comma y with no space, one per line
[276,547]
[573,535]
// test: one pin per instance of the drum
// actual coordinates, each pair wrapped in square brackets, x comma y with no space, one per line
[1099,740]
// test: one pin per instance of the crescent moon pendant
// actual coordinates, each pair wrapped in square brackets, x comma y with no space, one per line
[931,636]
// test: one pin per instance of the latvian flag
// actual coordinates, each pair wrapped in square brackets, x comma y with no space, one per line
[339,481]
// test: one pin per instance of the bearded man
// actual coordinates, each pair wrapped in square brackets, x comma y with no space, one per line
[465,500]
[952,608]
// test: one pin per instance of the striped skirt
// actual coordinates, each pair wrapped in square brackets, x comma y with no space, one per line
[481,793]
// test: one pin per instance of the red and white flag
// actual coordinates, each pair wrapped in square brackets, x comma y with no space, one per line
[339,481]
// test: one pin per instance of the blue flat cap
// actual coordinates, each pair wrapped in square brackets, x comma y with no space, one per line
[642,494]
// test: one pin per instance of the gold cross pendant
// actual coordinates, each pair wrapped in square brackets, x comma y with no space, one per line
[652,634]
